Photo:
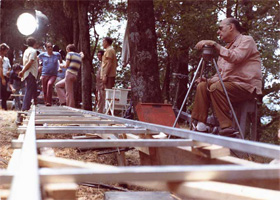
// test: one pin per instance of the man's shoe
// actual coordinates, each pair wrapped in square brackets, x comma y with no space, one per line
[229,132]
[63,104]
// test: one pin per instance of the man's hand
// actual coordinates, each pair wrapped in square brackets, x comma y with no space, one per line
[201,43]
[3,81]
[82,54]
[200,79]
[20,74]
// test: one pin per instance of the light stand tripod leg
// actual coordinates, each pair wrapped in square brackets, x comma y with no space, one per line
[230,105]
[188,92]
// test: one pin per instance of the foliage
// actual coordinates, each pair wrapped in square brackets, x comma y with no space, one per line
[177,36]
[179,26]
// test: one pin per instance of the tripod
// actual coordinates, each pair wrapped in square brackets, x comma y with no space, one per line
[207,55]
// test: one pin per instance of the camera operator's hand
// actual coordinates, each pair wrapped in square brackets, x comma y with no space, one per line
[201,43]
[200,79]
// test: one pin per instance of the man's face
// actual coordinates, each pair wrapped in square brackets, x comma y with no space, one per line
[105,44]
[99,56]
[224,31]
[5,52]
[49,48]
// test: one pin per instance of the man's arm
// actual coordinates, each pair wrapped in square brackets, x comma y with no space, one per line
[26,67]
[1,71]
[201,43]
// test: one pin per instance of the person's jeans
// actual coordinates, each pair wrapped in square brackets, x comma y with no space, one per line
[31,87]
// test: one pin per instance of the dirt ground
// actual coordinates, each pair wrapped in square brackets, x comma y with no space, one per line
[8,132]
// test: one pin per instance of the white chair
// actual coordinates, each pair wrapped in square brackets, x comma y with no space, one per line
[116,99]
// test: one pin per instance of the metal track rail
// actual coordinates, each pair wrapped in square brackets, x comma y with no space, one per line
[29,171]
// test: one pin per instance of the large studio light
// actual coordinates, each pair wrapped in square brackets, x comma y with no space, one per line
[27,24]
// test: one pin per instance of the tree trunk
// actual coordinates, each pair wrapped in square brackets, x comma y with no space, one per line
[229,8]
[84,40]
[166,83]
[183,61]
[145,83]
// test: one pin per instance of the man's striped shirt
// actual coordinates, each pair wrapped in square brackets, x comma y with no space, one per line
[75,62]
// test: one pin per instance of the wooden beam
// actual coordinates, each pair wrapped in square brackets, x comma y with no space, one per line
[61,191]
[213,151]
[180,188]
[55,162]
[4,194]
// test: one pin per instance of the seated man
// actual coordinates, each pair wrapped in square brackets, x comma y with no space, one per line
[240,66]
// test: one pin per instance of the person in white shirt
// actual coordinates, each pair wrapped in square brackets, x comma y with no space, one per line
[29,72]
[5,68]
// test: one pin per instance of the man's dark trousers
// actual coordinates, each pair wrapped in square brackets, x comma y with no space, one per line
[31,87]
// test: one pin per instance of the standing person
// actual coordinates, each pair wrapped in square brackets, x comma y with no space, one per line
[108,69]
[109,64]
[16,84]
[240,66]
[61,71]
[50,61]
[73,64]
[99,84]
[5,68]
[29,72]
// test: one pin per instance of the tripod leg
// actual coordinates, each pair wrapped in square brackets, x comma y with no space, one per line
[230,105]
[188,92]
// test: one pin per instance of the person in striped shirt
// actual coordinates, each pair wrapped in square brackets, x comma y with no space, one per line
[65,87]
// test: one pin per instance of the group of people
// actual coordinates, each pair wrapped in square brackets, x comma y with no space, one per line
[239,64]
[55,72]
[10,82]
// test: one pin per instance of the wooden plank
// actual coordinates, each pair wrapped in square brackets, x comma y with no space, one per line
[218,190]
[181,188]
[4,194]
[61,191]
[211,190]
[213,151]
[55,162]
[138,196]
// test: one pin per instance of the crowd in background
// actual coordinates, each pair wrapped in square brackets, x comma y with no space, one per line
[52,69]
